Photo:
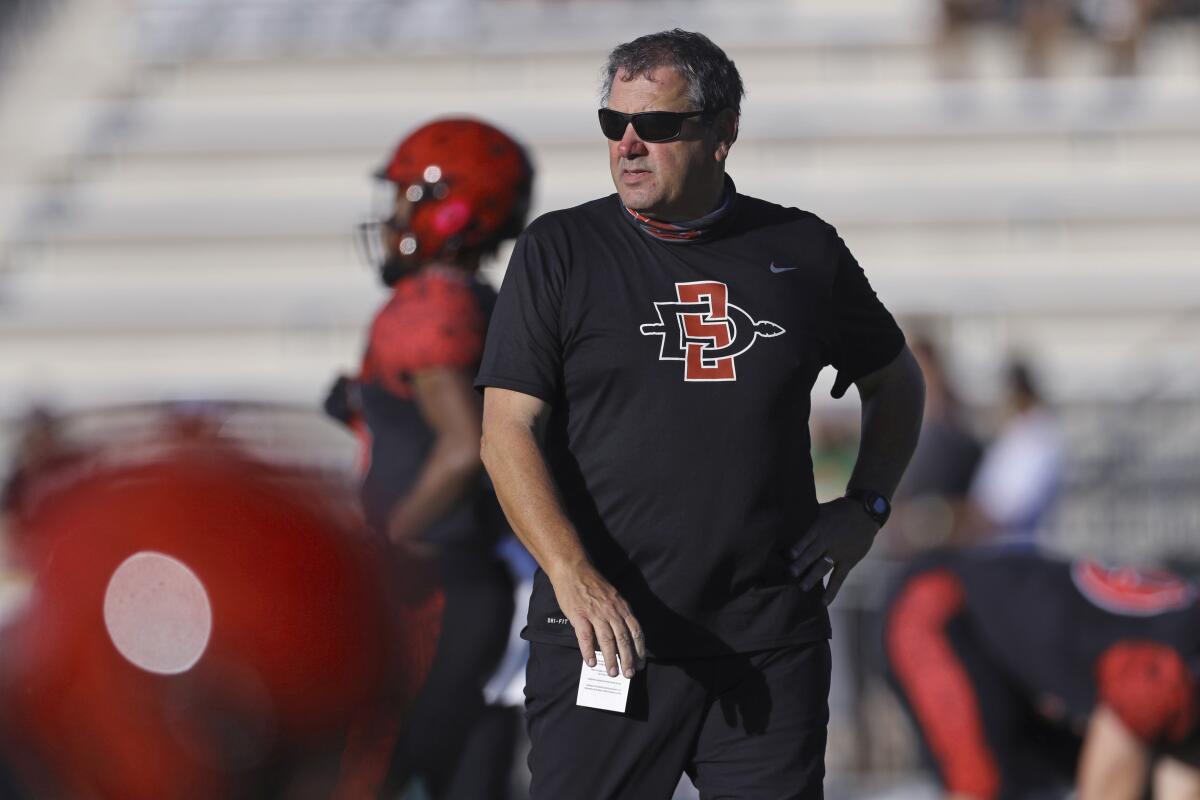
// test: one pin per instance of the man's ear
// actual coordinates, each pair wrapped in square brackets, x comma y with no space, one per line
[725,127]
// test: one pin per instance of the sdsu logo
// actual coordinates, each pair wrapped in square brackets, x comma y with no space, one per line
[705,331]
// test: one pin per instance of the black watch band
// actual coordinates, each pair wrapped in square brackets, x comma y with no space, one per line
[878,507]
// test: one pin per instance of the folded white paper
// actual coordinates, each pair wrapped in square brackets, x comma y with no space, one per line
[598,690]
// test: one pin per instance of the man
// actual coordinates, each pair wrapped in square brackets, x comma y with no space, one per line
[648,371]
[1026,674]
[1014,489]
[460,188]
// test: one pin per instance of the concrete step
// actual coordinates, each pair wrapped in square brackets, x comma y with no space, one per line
[1044,202]
[1000,241]
[351,120]
[1079,358]
[1149,159]
[136,368]
[220,31]
[221,293]
[829,40]
[1147,153]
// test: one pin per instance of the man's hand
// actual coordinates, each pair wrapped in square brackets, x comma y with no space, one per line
[842,534]
[513,426]
[601,618]
[892,401]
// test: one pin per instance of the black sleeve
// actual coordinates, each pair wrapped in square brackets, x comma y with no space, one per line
[523,348]
[865,337]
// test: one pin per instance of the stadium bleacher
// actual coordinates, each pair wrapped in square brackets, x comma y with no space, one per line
[180,180]
[185,224]
[187,227]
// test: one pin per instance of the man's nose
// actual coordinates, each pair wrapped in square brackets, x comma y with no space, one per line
[631,146]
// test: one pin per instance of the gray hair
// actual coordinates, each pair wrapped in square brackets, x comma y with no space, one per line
[712,79]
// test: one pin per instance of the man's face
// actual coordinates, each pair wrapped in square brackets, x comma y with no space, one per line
[672,181]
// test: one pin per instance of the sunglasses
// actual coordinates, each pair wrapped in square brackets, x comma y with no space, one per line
[650,126]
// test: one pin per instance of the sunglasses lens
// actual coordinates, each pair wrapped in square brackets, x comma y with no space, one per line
[651,126]
[656,126]
[613,124]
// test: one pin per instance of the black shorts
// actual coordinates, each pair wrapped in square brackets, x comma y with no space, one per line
[745,725]
[979,729]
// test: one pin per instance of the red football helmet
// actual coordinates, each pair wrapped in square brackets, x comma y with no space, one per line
[204,621]
[468,186]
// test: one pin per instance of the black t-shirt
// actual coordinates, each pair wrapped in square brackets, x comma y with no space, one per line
[1077,633]
[679,376]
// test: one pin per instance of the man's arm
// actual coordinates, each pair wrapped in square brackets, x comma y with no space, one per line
[513,427]
[450,406]
[1115,763]
[893,401]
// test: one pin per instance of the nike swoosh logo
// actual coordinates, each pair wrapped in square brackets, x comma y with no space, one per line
[778,270]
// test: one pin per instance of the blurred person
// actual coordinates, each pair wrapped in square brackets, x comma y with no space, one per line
[955,21]
[1019,477]
[930,501]
[460,187]
[202,623]
[1027,676]
[1041,22]
[1119,24]
[647,380]
[930,511]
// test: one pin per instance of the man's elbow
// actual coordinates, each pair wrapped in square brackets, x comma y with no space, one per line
[486,454]
[908,391]
[901,379]
[491,446]
[510,429]
[913,379]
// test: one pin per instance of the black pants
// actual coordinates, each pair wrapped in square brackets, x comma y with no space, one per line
[459,746]
[742,725]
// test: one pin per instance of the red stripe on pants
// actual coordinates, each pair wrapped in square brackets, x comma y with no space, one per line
[937,685]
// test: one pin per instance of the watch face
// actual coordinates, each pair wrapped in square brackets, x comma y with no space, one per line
[879,505]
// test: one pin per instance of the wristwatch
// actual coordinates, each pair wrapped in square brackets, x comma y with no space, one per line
[878,507]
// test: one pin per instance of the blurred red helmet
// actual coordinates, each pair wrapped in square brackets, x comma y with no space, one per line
[202,623]
[469,186]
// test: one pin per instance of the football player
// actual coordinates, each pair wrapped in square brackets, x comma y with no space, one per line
[459,188]
[1027,675]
